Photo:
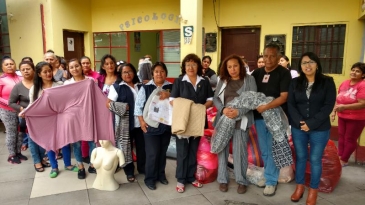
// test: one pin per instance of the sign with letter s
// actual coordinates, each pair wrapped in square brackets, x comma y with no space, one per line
[188,34]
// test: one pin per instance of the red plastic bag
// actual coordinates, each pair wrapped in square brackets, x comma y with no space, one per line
[331,168]
[207,169]
[205,176]
[211,113]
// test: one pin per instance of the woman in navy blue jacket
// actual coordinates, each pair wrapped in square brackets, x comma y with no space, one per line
[311,98]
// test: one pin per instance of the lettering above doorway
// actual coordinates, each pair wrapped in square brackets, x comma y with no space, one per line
[147,18]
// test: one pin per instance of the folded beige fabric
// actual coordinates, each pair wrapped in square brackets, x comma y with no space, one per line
[188,118]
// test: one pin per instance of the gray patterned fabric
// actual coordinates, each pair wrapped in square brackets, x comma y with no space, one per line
[122,139]
[274,118]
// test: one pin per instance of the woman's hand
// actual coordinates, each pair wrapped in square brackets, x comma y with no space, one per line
[304,126]
[143,124]
[230,112]
[21,115]
[333,115]
[339,108]
[108,104]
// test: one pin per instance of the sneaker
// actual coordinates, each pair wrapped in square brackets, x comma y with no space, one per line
[14,160]
[54,173]
[269,190]
[81,174]
[91,170]
[22,157]
[261,183]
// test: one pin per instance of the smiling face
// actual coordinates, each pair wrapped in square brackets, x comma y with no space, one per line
[9,66]
[86,65]
[46,74]
[75,69]
[191,68]
[127,74]
[356,74]
[309,66]
[51,59]
[159,75]
[233,68]
[109,65]
[27,71]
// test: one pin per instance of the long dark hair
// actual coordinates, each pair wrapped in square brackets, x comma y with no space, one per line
[102,62]
[37,81]
[224,75]
[318,78]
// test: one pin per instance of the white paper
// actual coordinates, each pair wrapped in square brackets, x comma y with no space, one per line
[160,110]
[70,44]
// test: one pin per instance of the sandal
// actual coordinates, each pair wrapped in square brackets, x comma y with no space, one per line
[197,184]
[45,164]
[54,173]
[131,178]
[180,189]
[39,169]
[59,155]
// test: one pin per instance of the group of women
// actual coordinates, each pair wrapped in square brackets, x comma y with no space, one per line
[311,99]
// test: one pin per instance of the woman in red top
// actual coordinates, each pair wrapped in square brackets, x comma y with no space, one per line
[350,108]
[9,116]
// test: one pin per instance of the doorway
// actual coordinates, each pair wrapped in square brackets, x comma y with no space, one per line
[73,45]
[243,42]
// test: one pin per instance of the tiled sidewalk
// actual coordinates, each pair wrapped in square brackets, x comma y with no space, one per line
[20,184]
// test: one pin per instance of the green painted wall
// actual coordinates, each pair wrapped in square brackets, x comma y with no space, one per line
[148,45]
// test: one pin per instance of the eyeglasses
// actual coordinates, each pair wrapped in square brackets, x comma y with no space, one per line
[308,62]
[127,73]
[194,65]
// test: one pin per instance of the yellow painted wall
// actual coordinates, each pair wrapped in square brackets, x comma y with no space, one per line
[70,15]
[25,29]
[113,15]
[148,46]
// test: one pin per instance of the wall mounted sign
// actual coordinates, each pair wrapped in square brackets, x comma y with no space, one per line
[188,34]
[147,18]
[278,40]
[211,42]
[70,44]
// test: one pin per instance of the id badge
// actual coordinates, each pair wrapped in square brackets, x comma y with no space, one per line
[266,78]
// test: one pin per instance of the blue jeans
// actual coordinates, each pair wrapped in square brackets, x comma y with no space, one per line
[317,141]
[22,129]
[36,151]
[271,172]
[77,150]
[66,152]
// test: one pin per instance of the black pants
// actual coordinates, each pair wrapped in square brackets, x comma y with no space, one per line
[186,150]
[136,134]
[156,148]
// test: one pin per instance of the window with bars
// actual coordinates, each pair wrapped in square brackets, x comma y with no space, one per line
[327,41]
[114,43]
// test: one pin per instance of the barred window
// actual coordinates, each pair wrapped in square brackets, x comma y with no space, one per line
[327,41]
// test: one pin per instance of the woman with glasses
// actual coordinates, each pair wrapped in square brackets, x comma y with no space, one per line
[350,108]
[156,135]
[192,86]
[121,100]
[311,99]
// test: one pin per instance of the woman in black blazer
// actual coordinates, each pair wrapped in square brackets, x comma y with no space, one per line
[311,99]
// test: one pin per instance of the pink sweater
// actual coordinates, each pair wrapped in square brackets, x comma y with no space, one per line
[7,82]
[93,74]
[349,94]
[69,113]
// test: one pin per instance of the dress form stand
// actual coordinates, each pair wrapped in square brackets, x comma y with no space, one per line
[105,160]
